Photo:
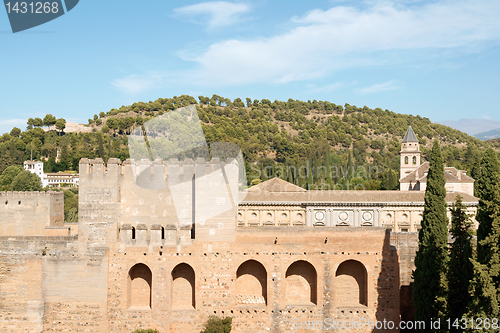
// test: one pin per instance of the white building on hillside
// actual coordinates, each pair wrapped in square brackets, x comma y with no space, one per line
[51,179]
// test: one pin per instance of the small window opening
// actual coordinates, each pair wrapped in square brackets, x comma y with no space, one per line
[162,233]
[133,233]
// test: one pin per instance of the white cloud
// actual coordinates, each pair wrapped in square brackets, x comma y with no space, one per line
[329,87]
[486,117]
[219,13]
[134,84]
[7,125]
[342,37]
[390,85]
[345,37]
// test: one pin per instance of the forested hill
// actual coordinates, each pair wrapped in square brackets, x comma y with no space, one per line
[272,134]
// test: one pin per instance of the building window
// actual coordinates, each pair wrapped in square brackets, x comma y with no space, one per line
[414,159]
[406,159]
[404,230]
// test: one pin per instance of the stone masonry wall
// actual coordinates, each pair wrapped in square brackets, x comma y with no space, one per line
[45,286]
[30,213]
[217,286]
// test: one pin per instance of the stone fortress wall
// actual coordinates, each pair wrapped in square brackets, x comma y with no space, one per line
[32,214]
[145,259]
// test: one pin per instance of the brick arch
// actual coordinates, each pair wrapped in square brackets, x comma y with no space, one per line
[139,285]
[251,283]
[301,283]
[183,287]
[351,284]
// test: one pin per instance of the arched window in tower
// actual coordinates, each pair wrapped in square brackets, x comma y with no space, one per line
[406,159]
[139,286]
[414,159]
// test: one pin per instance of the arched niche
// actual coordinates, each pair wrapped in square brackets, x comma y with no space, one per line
[139,286]
[183,287]
[301,283]
[351,284]
[251,283]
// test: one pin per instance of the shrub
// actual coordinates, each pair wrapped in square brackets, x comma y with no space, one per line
[218,325]
[146,331]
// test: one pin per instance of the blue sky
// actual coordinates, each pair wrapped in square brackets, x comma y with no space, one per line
[438,59]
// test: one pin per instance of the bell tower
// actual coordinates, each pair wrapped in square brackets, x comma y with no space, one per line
[410,153]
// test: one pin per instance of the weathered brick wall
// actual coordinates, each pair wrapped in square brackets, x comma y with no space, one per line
[29,213]
[46,286]
[267,280]
[407,246]
[222,288]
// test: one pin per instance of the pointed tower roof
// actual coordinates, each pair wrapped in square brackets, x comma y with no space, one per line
[410,136]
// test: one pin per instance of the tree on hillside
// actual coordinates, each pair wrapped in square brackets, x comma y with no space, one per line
[49,120]
[430,286]
[460,269]
[37,122]
[26,181]
[60,124]
[8,176]
[15,132]
[485,285]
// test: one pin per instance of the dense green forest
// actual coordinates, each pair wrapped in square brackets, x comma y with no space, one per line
[361,143]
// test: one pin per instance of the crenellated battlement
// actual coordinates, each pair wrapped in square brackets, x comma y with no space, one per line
[173,167]
[164,235]
[30,194]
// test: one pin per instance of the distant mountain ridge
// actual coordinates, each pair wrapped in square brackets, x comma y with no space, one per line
[472,126]
[488,135]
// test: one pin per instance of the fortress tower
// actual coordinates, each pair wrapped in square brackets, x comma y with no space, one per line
[410,153]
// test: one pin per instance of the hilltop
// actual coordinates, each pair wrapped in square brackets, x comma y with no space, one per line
[270,134]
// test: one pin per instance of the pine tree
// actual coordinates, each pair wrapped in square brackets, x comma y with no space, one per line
[485,285]
[460,269]
[430,286]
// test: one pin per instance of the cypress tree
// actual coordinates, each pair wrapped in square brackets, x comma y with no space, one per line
[430,286]
[485,285]
[460,269]
[485,189]
[327,163]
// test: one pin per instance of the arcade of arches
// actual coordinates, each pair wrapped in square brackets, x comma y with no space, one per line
[301,285]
